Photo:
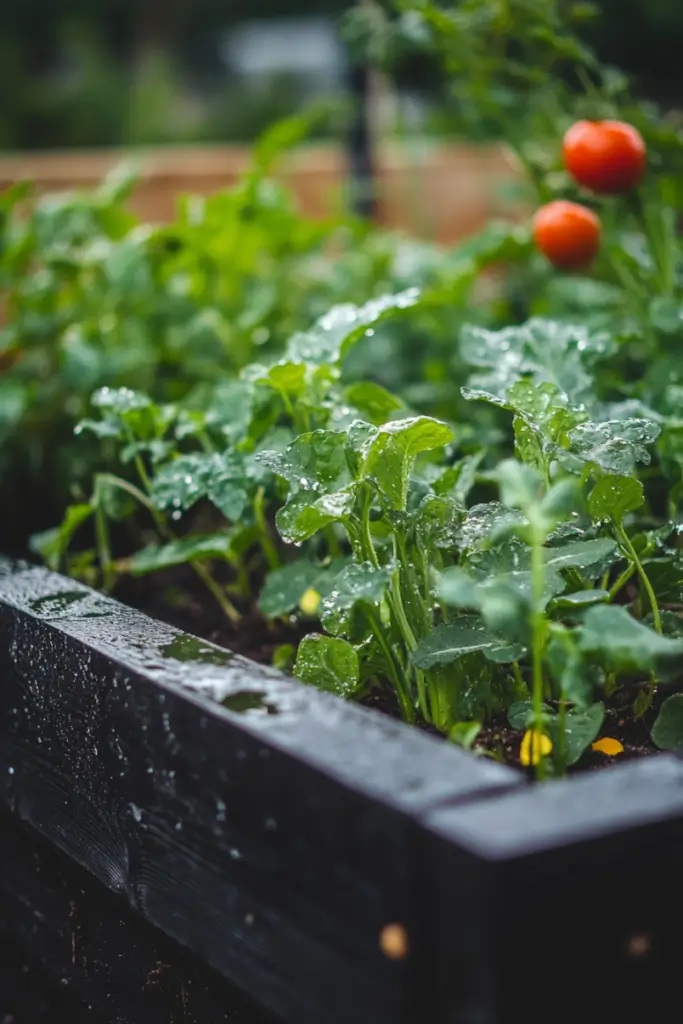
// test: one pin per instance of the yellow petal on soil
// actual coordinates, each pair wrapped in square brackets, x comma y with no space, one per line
[310,602]
[608,746]
[393,941]
[535,745]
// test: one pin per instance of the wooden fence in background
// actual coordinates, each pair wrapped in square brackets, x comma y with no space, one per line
[442,193]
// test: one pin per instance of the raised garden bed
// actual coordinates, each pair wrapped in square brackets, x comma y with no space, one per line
[277,832]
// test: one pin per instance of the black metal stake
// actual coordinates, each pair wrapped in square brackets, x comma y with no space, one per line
[362,190]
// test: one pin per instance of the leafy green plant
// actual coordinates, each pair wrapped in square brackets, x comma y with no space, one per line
[496,540]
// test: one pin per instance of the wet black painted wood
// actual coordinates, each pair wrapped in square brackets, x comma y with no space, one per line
[274,831]
[71,950]
[561,902]
[275,841]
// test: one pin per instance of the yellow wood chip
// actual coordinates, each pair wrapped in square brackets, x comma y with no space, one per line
[608,746]
[535,745]
[310,602]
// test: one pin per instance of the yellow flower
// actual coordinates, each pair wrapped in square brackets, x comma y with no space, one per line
[608,746]
[535,745]
[310,602]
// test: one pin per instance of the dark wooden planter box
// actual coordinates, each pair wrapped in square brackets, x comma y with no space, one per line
[168,803]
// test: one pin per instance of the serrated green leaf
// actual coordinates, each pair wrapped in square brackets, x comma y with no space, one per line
[329,663]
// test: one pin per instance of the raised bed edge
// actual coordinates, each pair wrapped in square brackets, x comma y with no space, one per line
[278,845]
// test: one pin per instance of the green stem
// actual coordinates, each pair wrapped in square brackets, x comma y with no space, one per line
[333,546]
[625,541]
[621,580]
[537,640]
[217,591]
[103,542]
[201,571]
[395,670]
[268,547]
[561,759]
[519,680]
[369,553]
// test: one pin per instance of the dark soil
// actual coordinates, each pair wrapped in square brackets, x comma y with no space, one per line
[177,597]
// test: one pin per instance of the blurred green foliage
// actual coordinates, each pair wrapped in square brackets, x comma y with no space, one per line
[74,73]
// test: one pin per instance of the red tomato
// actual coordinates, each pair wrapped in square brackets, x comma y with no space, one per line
[607,157]
[567,233]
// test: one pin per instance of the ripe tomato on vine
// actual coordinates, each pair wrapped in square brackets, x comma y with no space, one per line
[568,234]
[607,157]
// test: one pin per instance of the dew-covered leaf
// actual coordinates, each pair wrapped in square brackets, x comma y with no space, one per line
[357,582]
[306,512]
[437,522]
[546,351]
[334,334]
[329,663]
[315,461]
[389,455]
[453,640]
[221,478]
[284,587]
[616,446]
[178,552]
[483,520]
[597,555]
[614,496]
[580,599]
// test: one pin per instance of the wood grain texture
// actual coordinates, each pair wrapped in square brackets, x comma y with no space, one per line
[276,844]
[71,950]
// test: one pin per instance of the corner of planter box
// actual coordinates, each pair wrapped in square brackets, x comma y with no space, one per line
[569,895]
